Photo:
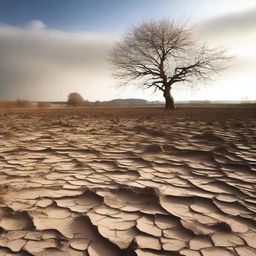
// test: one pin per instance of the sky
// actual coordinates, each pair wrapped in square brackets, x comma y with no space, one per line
[50,48]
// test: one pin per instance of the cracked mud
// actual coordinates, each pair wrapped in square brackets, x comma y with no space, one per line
[127,182]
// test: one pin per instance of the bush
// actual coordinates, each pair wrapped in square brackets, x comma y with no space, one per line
[97,103]
[75,100]
[23,103]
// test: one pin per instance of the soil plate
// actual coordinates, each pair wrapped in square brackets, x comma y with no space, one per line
[128,181]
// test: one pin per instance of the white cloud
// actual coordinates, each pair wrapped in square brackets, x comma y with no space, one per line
[233,28]
[237,33]
[47,64]
[36,24]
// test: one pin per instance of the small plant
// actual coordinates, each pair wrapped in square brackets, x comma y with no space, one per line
[251,140]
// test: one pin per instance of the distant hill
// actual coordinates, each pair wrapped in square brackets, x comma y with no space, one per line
[125,102]
[116,102]
[129,102]
[136,102]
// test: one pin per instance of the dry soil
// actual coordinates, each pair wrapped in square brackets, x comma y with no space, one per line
[128,181]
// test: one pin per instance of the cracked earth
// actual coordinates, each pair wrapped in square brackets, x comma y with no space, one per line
[128,182]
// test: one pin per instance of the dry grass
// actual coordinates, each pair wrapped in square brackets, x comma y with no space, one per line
[16,104]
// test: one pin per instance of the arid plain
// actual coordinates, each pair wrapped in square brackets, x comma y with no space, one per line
[128,181]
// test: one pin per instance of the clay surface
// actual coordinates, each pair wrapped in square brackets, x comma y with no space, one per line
[127,181]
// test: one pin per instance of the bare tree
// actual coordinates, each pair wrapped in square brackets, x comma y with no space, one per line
[162,53]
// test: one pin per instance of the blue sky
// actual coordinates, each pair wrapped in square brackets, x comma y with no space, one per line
[84,14]
[108,15]
[50,47]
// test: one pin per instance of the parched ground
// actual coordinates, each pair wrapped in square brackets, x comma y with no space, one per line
[128,181]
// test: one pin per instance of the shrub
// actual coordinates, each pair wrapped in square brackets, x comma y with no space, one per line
[23,103]
[75,100]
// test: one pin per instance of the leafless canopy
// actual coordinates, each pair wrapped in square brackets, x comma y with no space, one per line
[161,53]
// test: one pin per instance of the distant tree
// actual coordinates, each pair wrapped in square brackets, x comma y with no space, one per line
[87,103]
[159,54]
[75,100]
[97,103]
[23,103]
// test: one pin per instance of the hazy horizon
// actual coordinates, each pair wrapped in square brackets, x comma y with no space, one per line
[51,48]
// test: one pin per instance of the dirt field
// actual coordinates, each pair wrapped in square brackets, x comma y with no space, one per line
[128,181]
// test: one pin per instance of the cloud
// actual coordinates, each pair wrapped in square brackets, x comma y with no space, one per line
[36,24]
[47,64]
[237,33]
[237,26]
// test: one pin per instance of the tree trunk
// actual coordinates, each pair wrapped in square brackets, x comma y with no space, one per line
[169,102]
